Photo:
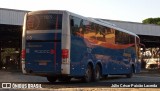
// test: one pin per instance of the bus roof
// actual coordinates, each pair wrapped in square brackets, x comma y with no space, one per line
[97,21]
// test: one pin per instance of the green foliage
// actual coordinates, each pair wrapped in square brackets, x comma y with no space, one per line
[8,52]
[152,21]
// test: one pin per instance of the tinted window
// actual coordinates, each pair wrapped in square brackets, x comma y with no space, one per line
[124,38]
[92,31]
[44,22]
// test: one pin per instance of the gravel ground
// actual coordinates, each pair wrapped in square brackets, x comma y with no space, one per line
[76,85]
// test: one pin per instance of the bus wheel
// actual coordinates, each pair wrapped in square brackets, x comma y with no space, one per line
[51,79]
[97,73]
[88,74]
[130,74]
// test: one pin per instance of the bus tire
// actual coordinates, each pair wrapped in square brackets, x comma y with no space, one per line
[131,73]
[51,79]
[97,73]
[88,74]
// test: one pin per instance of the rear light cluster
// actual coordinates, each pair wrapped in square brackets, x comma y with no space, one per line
[23,54]
[65,55]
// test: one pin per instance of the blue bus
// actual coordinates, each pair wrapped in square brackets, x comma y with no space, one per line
[61,45]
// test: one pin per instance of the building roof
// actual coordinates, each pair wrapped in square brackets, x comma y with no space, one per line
[11,16]
[137,28]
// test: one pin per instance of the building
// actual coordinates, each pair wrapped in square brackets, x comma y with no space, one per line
[11,27]
[10,32]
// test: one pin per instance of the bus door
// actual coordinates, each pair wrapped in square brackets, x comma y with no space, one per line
[43,43]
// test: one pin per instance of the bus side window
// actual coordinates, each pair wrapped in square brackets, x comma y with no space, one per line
[72,23]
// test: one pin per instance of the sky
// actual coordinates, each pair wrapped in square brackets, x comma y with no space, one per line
[122,10]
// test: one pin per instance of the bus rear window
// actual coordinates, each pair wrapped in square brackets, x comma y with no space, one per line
[44,22]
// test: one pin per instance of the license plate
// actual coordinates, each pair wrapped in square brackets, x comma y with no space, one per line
[42,63]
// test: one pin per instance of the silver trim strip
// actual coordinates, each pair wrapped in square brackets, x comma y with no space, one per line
[43,31]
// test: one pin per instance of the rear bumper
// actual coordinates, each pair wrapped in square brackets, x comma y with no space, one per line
[40,73]
[43,73]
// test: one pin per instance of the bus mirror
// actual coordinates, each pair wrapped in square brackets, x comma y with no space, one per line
[72,22]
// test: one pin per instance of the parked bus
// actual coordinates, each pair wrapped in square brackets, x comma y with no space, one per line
[61,45]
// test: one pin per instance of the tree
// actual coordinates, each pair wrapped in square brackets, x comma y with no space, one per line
[152,21]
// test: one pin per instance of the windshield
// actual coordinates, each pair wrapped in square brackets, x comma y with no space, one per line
[44,22]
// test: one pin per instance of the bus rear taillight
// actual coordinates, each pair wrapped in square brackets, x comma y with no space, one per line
[23,54]
[65,55]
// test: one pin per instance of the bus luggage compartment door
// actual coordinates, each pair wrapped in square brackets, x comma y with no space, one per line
[43,57]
